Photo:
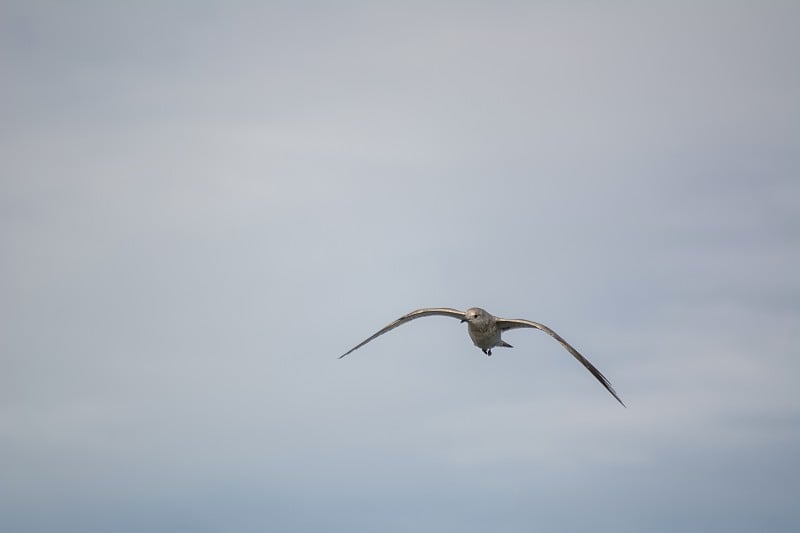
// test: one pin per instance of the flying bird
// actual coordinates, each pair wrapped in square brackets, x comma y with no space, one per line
[485,330]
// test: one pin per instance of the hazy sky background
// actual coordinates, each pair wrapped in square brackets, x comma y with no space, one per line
[203,204]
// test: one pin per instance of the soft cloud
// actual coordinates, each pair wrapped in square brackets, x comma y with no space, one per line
[202,206]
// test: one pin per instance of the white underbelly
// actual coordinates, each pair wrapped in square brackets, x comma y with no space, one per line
[485,339]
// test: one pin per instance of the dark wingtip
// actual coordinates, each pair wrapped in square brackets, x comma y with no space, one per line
[611,390]
[614,394]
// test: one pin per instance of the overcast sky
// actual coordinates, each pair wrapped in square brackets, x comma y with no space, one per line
[203,204]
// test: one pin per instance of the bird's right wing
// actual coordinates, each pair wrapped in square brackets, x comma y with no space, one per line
[413,315]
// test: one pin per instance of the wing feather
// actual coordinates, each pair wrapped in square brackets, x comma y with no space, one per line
[513,323]
[413,315]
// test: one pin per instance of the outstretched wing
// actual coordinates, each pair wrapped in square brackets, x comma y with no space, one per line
[413,315]
[508,323]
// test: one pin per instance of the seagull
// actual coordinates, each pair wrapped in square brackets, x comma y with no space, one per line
[485,330]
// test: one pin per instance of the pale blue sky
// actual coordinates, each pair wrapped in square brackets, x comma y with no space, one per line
[203,204]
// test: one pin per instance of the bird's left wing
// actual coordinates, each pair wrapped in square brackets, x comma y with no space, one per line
[513,323]
[413,315]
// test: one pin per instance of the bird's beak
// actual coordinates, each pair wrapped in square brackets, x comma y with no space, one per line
[463,320]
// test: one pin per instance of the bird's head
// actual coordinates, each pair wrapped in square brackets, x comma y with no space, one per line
[475,315]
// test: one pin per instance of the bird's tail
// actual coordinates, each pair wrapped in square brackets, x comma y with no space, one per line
[504,344]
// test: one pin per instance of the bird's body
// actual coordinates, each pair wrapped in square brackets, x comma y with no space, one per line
[486,331]
[483,330]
